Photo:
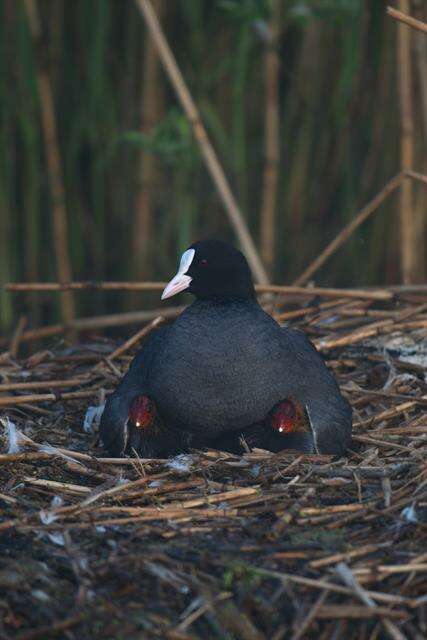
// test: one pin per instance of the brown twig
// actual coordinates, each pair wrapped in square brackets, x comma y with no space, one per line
[308,619]
[350,228]
[209,155]
[136,338]
[17,335]
[11,401]
[401,16]
[199,512]
[42,384]
[101,322]
[363,294]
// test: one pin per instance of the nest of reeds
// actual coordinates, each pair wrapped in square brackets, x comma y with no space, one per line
[208,544]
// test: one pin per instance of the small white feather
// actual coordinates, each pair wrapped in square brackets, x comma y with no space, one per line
[47,517]
[13,436]
[181,463]
[57,538]
[93,418]
[410,514]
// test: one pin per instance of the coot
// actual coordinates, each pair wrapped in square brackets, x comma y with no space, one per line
[224,366]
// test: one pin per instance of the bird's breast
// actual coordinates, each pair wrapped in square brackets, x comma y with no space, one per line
[214,377]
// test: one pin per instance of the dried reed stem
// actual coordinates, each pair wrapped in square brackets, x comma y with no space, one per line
[420,52]
[369,294]
[100,322]
[402,16]
[42,384]
[59,214]
[16,338]
[416,176]
[208,153]
[11,401]
[85,286]
[136,338]
[421,57]
[151,109]
[350,228]
[196,506]
[409,240]
[272,150]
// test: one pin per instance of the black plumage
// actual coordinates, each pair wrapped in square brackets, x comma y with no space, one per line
[224,363]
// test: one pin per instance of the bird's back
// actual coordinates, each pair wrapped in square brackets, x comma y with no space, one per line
[224,366]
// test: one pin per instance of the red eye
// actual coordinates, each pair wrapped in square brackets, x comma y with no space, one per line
[203,263]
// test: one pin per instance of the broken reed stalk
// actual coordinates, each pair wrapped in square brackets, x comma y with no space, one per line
[332,247]
[53,158]
[16,338]
[350,228]
[42,384]
[11,401]
[416,176]
[271,145]
[197,505]
[363,214]
[401,16]
[137,337]
[85,286]
[208,153]
[408,226]
[151,112]
[368,294]
[100,322]
[133,317]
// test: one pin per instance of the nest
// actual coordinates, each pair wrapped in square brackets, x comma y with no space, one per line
[208,544]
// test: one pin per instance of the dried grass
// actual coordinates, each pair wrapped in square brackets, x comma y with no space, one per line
[212,545]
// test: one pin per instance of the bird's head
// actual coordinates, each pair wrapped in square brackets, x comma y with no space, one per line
[212,268]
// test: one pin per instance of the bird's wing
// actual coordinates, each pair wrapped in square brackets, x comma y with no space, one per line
[116,412]
[329,412]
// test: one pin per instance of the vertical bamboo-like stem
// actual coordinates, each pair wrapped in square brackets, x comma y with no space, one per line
[7,137]
[150,113]
[59,214]
[421,58]
[408,243]
[208,153]
[421,67]
[272,150]
[239,111]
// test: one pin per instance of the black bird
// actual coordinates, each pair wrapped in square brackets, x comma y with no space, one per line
[225,365]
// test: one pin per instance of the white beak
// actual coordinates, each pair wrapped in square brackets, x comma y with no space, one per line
[181,280]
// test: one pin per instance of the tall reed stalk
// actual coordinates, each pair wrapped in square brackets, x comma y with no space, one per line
[407,212]
[53,161]
[151,113]
[272,139]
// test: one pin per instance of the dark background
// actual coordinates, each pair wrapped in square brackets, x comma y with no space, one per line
[136,190]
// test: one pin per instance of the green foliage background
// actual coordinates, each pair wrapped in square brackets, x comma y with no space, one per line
[339,138]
